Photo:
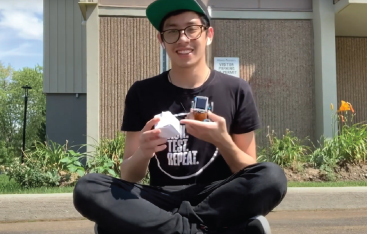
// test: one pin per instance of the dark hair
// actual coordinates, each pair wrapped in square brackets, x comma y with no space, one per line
[204,19]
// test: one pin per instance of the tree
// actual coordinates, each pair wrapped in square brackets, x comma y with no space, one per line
[12,107]
[5,73]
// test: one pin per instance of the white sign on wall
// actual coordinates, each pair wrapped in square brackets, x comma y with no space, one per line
[226,65]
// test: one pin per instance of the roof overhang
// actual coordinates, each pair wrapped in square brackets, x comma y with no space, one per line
[83,6]
[351,18]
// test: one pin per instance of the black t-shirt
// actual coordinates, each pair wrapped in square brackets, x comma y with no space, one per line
[188,160]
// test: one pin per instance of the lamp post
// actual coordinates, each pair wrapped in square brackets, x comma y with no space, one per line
[26,88]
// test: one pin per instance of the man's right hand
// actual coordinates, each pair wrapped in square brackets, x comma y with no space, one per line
[149,141]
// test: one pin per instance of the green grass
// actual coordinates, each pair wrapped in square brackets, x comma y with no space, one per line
[12,187]
[328,184]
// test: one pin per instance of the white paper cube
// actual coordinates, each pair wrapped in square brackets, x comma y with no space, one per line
[169,125]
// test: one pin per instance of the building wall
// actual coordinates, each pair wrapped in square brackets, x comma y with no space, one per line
[129,51]
[287,5]
[276,57]
[65,119]
[64,47]
[351,54]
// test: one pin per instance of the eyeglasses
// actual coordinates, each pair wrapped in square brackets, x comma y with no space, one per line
[192,32]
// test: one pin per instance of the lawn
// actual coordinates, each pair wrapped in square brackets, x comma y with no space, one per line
[11,187]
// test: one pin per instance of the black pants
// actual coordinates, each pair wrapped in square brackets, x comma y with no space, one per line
[118,206]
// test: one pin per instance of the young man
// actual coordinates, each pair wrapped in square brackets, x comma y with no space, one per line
[205,180]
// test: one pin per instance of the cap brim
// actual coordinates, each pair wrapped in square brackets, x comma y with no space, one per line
[160,8]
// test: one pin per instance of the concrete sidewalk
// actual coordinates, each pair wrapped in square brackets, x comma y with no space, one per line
[14,208]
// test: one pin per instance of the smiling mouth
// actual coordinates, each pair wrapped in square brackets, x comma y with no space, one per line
[184,52]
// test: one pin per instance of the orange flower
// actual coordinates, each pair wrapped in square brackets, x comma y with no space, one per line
[351,107]
[331,106]
[342,118]
[344,106]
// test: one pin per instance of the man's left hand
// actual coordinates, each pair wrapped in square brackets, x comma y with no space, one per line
[214,132]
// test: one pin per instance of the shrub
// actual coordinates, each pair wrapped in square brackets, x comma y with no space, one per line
[286,151]
[31,174]
[326,154]
[46,164]
[107,157]
[349,145]
[49,154]
[72,163]
[352,143]
[6,154]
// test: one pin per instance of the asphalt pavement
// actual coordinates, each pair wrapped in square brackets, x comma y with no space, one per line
[304,210]
[281,222]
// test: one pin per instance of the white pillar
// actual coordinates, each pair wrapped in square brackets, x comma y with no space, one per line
[325,65]
[92,38]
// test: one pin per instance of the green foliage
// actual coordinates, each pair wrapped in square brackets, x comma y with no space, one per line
[353,143]
[286,151]
[327,154]
[31,174]
[6,156]
[49,164]
[12,187]
[12,107]
[107,157]
[347,146]
[46,164]
[146,179]
[48,154]
[72,164]
[350,146]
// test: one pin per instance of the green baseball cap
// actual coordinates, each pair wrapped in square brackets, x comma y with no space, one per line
[157,10]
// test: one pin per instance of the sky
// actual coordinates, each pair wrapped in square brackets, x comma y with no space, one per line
[21,33]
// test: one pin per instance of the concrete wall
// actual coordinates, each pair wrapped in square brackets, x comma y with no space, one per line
[64,47]
[129,51]
[276,57]
[66,118]
[351,54]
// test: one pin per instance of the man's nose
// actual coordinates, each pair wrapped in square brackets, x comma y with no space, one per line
[183,36]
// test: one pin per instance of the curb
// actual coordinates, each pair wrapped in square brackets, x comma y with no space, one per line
[324,199]
[29,207]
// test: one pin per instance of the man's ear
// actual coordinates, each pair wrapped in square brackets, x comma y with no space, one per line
[159,36]
[210,36]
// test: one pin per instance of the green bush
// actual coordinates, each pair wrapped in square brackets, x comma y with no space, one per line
[326,154]
[31,174]
[350,146]
[107,157]
[352,143]
[72,163]
[287,151]
[46,165]
[48,153]
[6,154]
[51,164]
